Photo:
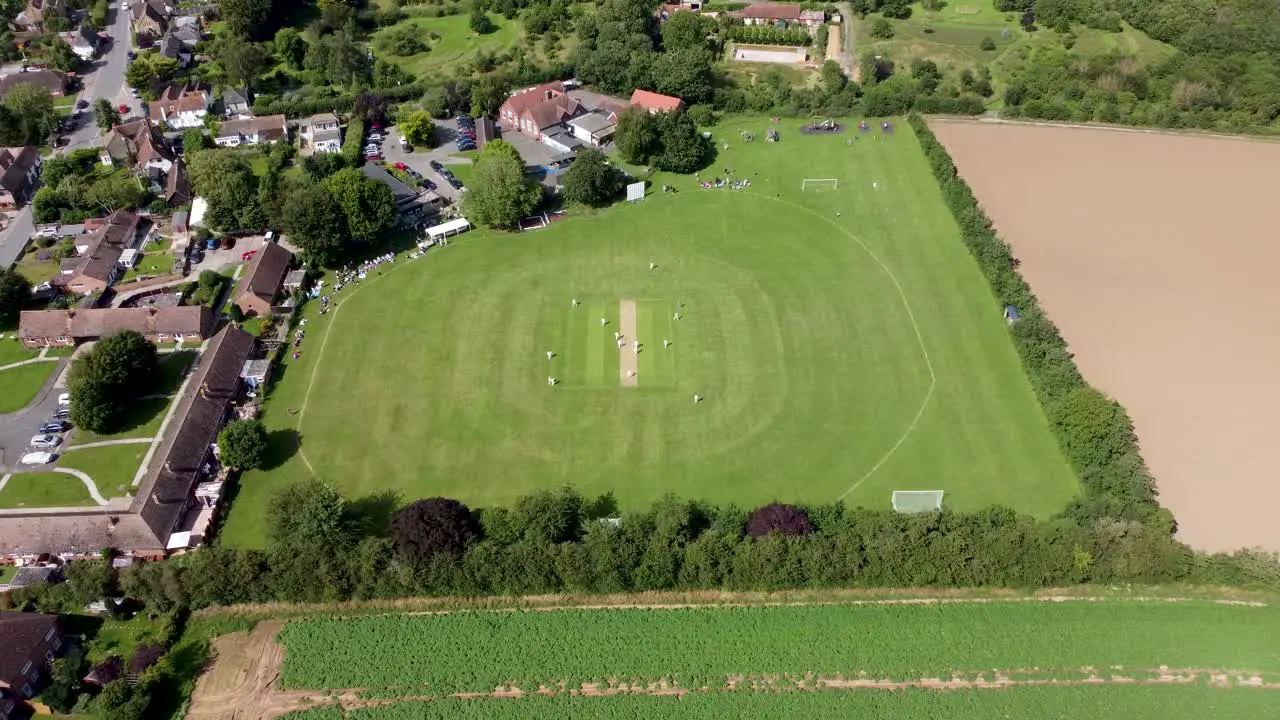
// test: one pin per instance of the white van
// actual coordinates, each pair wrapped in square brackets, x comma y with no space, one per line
[37,458]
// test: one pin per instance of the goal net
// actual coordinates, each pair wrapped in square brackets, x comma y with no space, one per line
[819,184]
[917,501]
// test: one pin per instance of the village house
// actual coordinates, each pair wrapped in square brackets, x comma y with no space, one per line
[177,185]
[655,102]
[29,643]
[171,48]
[780,16]
[540,111]
[252,131]
[51,80]
[137,144]
[186,30]
[178,492]
[85,42]
[31,18]
[98,264]
[235,103]
[19,172]
[181,107]
[150,20]
[262,279]
[41,328]
[322,133]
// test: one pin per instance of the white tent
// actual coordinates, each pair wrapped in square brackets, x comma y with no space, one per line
[453,227]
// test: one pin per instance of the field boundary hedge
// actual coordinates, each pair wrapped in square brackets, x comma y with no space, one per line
[1094,431]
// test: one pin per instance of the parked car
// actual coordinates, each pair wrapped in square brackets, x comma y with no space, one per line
[124,109]
[82,104]
[428,185]
[197,256]
[373,157]
[464,147]
[375,137]
[59,414]
[45,442]
[465,119]
[64,399]
[54,426]
[37,458]
[401,167]
[435,165]
[456,183]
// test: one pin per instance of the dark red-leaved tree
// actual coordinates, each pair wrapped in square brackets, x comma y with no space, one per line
[144,657]
[432,526]
[782,519]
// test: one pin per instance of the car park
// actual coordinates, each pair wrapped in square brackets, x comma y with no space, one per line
[37,458]
[45,442]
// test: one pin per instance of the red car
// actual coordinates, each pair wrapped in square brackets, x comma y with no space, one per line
[244,257]
[123,108]
[401,166]
[373,156]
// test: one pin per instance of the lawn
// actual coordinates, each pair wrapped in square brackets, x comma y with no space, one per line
[7,572]
[122,637]
[44,489]
[173,367]
[843,341]
[142,420]
[451,42]
[20,384]
[112,468]
[152,263]
[36,271]
[12,351]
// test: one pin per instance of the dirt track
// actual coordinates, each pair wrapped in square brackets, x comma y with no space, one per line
[1155,254]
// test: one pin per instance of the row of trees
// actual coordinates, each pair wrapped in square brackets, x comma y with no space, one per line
[770,35]
[324,548]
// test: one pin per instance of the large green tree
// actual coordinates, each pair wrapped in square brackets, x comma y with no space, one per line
[247,18]
[151,72]
[103,381]
[224,178]
[592,180]
[367,204]
[685,73]
[242,444]
[242,61]
[500,194]
[686,30]
[638,137]
[315,222]
[684,150]
[106,114]
[417,127]
[290,47]
[31,112]
[15,290]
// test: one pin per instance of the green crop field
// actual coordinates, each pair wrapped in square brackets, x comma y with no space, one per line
[843,341]
[1201,702]
[704,647]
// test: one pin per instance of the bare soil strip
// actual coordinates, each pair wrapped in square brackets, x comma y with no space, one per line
[628,353]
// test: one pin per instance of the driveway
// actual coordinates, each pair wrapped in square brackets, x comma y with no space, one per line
[104,79]
[17,428]
[420,160]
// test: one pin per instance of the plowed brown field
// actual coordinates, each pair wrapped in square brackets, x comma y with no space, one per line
[1157,255]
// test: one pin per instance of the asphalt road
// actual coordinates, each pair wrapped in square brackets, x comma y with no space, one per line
[104,80]
[17,428]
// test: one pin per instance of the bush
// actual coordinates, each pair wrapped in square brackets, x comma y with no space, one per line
[786,520]
[987,44]
[881,28]
[431,527]
[353,143]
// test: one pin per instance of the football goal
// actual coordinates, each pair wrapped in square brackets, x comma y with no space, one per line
[819,184]
[917,501]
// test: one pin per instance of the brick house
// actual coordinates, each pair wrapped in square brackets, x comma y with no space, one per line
[538,109]
[29,642]
[188,323]
[19,171]
[51,80]
[252,131]
[98,264]
[181,107]
[136,143]
[262,279]
[150,20]
[780,16]
[172,507]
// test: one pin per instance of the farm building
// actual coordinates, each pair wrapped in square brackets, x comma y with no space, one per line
[779,54]
[655,102]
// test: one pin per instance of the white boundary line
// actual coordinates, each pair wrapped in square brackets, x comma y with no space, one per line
[401,261]
[915,326]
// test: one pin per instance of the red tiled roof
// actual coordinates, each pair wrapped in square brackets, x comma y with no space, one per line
[523,101]
[265,272]
[653,101]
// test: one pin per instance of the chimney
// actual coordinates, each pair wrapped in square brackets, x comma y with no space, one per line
[548,95]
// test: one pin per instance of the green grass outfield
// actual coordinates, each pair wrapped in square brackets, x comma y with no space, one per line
[840,356]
